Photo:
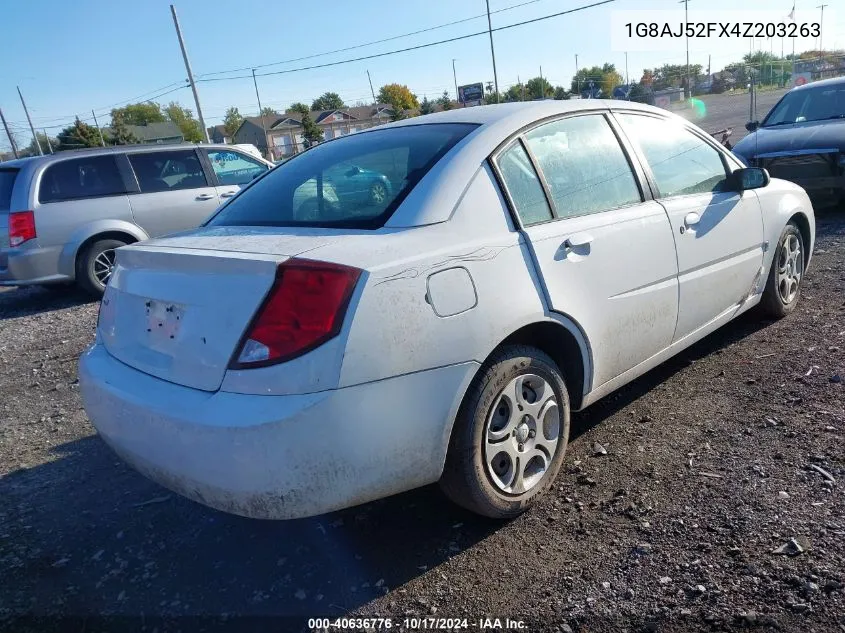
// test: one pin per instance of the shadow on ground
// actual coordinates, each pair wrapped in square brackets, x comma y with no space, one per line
[19,302]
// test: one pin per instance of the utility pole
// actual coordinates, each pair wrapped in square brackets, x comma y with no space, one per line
[821,31]
[190,73]
[47,138]
[686,20]
[492,52]
[577,78]
[102,140]
[373,92]
[260,111]
[627,82]
[455,76]
[31,128]
[9,134]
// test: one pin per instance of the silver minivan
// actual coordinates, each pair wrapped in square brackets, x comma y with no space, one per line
[62,216]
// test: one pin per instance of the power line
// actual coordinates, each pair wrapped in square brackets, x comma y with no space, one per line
[357,46]
[414,48]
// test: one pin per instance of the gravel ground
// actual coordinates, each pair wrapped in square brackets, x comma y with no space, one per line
[712,464]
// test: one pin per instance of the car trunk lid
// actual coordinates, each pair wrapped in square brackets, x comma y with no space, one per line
[179,313]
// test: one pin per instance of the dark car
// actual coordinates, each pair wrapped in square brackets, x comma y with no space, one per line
[802,139]
[358,186]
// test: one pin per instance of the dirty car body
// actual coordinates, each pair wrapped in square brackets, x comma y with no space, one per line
[802,139]
[277,366]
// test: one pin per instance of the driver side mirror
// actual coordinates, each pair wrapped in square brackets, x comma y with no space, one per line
[752,126]
[750,178]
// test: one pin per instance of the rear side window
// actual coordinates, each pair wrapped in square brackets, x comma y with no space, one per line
[681,162]
[523,185]
[356,181]
[7,182]
[88,177]
[232,168]
[168,171]
[584,165]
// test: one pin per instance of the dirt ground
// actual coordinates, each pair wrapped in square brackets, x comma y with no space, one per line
[714,461]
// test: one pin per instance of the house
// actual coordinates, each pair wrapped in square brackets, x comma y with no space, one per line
[218,134]
[153,133]
[284,131]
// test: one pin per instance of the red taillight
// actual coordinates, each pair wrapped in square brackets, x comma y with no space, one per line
[304,309]
[21,227]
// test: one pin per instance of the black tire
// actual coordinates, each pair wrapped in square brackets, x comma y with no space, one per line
[773,304]
[86,277]
[466,479]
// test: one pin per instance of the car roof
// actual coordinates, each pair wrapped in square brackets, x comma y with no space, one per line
[100,151]
[503,114]
[821,83]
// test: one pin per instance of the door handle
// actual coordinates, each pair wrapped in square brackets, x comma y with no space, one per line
[691,219]
[205,196]
[228,194]
[579,239]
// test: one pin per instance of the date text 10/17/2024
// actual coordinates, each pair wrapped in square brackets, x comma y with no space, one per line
[416,624]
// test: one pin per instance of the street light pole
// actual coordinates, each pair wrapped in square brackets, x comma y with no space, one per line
[577,78]
[686,20]
[821,31]
[492,51]
[627,82]
[260,110]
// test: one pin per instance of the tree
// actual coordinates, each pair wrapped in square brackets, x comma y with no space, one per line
[561,94]
[600,80]
[444,101]
[141,113]
[398,96]
[267,111]
[46,143]
[78,135]
[670,76]
[311,132]
[184,118]
[538,88]
[426,106]
[298,107]
[493,97]
[232,121]
[328,101]
[640,93]
[515,93]
[120,133]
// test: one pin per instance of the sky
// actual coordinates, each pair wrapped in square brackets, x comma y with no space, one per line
[71,57]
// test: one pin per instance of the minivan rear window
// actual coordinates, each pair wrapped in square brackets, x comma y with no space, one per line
[356,181]
[88,177]
[7,181]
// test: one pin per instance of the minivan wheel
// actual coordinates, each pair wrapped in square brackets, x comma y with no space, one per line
[95,265]
[510,436]
[783,287]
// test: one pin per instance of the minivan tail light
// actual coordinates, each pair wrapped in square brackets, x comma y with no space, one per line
[304,309]
[21,227]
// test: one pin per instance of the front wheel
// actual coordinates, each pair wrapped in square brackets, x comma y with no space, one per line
[783,287]
[510,435]
[95,265]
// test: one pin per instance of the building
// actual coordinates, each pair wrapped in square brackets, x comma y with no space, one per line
[218,134]
[153,133]
[284,131]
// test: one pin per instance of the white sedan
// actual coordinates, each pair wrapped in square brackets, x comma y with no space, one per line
[528,260]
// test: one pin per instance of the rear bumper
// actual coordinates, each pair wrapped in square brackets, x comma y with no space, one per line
[30,265]
[276,457]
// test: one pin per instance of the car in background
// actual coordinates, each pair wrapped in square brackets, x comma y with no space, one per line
[802,139]
[359,187]
[62,216]
[530,258]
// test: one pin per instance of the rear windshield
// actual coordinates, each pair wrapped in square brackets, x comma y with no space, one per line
[7,181]
[356,181]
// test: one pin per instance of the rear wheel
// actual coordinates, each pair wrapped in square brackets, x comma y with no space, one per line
[95,265]
[783,287]
[510,436]
[378,193]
